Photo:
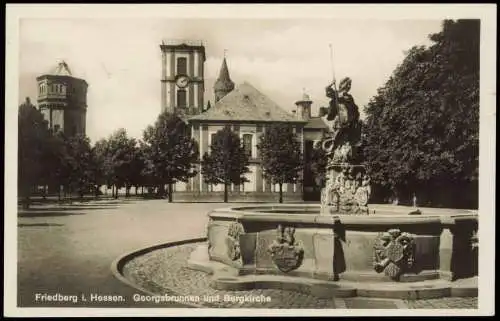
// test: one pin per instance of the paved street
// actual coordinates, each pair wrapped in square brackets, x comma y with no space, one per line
[68,249]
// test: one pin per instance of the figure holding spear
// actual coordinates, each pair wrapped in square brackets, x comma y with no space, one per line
[343,115]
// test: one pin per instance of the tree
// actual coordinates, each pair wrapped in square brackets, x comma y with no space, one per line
[281,155]
[422,128]
[101,167]
[136,167]
[55,154]
[33,133]
[170,151]
[318,161]
[79,164]
[120,156]
[227,161]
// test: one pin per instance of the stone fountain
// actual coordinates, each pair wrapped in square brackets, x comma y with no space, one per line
[342,247]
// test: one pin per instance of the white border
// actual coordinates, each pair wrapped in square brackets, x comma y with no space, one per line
[487,14]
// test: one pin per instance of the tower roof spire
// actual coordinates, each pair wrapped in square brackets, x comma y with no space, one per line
[224,82]
[224,72]
[62,69]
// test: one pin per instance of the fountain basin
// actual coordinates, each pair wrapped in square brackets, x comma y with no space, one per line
[295,244]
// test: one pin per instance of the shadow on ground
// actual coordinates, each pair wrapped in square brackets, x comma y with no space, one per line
[47,214]
[72,208]
[38,224]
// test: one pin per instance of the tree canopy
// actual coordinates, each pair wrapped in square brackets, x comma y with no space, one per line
[421,133]
[281,155]
[171,153]
[33,132]
[227,161]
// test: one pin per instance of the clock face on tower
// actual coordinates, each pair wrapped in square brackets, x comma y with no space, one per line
[182,81]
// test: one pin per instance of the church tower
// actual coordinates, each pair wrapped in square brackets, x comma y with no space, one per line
[62,99]
[182,77]
[224,84]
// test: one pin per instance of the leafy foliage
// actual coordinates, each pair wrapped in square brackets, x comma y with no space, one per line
[121,154]
[281,155]
[170,151]
[422,128]
[78,163]
[33,132]
[227,161]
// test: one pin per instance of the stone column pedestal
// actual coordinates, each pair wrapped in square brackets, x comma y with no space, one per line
[347,190]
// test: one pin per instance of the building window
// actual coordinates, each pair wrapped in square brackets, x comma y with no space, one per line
[181,66]
[212,139]
[181,98]
[247,143]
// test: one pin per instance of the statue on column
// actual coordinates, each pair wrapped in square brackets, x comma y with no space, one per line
[347,188]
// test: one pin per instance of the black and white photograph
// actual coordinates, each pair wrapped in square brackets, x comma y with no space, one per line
[237,160]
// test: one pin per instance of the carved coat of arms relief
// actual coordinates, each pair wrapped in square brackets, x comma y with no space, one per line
[287,254]
[393,253]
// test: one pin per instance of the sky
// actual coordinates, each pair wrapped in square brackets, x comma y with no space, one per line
[121,59]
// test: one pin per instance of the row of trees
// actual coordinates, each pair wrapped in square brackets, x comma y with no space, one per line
[166,154]
[280,154]
[420,138]
[421,134]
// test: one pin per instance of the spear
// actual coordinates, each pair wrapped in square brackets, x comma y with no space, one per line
[333,68]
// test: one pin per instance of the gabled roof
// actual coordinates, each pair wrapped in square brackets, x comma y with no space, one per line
[246,103]
[316,123]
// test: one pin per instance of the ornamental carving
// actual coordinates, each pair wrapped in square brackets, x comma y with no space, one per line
[235,230]
[348,192]
[393,253]
[287,254]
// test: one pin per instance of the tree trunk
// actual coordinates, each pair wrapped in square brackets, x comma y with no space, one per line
[170,192]
[44,192]
[136,190]
[26,199]
[59,193]
[116,191]
[225,192]
[112,191]
[161,191]
[281,192]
